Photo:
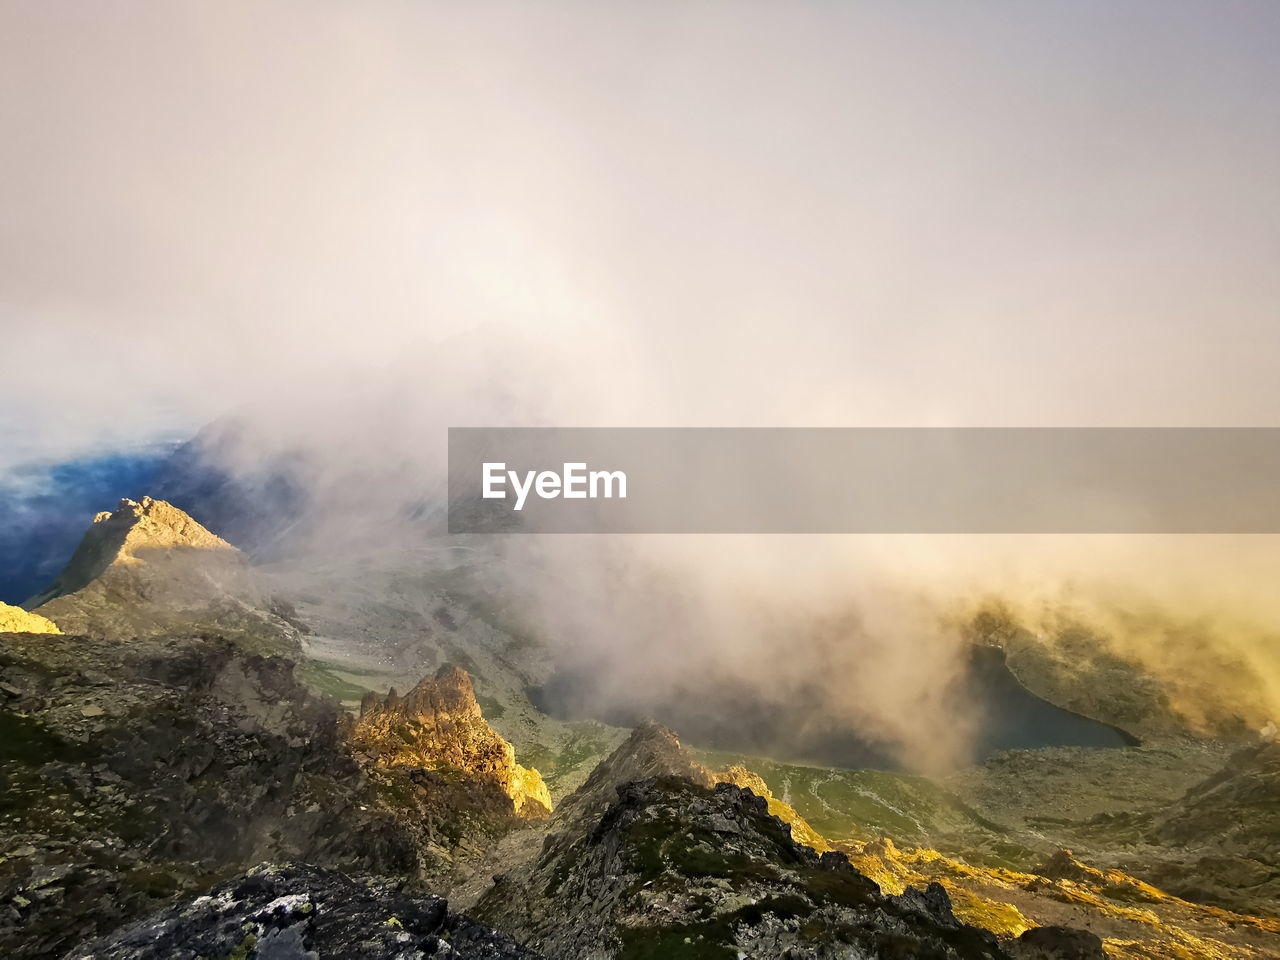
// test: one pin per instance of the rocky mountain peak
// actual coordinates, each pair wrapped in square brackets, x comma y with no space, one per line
[652,750]
[439,725]
[156,523]
[134,533]
[149,569]
[448,693]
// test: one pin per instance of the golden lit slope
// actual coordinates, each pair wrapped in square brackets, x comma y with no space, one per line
[17,620]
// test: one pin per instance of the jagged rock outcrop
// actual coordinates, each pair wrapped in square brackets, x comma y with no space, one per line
[438,725]
[17,620]
[675,869]
[137,772]
[749,779]
[134,771]
[652,750]
[148,569]
[297,912]
[655,855]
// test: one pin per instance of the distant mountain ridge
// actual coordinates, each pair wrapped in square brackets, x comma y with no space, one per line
[42,507]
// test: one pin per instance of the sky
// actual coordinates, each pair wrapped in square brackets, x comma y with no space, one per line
[713,213]
[336,229]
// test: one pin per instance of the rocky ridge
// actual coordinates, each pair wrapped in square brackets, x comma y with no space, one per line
[298,912]
[674,869]
[657,856]
[438,725]
[652,750]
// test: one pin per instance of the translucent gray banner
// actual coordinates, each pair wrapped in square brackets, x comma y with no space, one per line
[864,480]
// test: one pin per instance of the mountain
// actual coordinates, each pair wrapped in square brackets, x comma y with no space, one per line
[1228,830]
[221,745]
[139,773]
[1143,671]
[438,725]
[1236,810]
[134,772]
[675,867]
[652,750]
[148,569]
[136,534]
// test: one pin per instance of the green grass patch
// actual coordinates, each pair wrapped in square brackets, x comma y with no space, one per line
[864,804]
[701,941]
[491,708]
[324,677]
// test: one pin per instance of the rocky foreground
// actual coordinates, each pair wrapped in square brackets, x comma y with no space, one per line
[298,911]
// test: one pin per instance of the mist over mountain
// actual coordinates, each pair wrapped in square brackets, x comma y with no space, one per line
[257,259]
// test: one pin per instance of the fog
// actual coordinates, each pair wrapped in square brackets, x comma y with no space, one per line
[342,228]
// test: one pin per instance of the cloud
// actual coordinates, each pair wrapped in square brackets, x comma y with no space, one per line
[364,224]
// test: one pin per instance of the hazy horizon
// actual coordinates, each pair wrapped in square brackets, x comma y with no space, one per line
[717,214]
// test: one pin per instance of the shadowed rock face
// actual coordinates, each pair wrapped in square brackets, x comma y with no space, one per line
[136,772]
[149,570]
[438,725]
[297,912]
[657,856]
[654,751]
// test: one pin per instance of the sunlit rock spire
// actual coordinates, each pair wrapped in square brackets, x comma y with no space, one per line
[438,724]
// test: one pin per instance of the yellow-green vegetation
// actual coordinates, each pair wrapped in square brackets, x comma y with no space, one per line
[1002,919]
[861,805]
[987,872]
[588,744]
[338,682]
[1164,926]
